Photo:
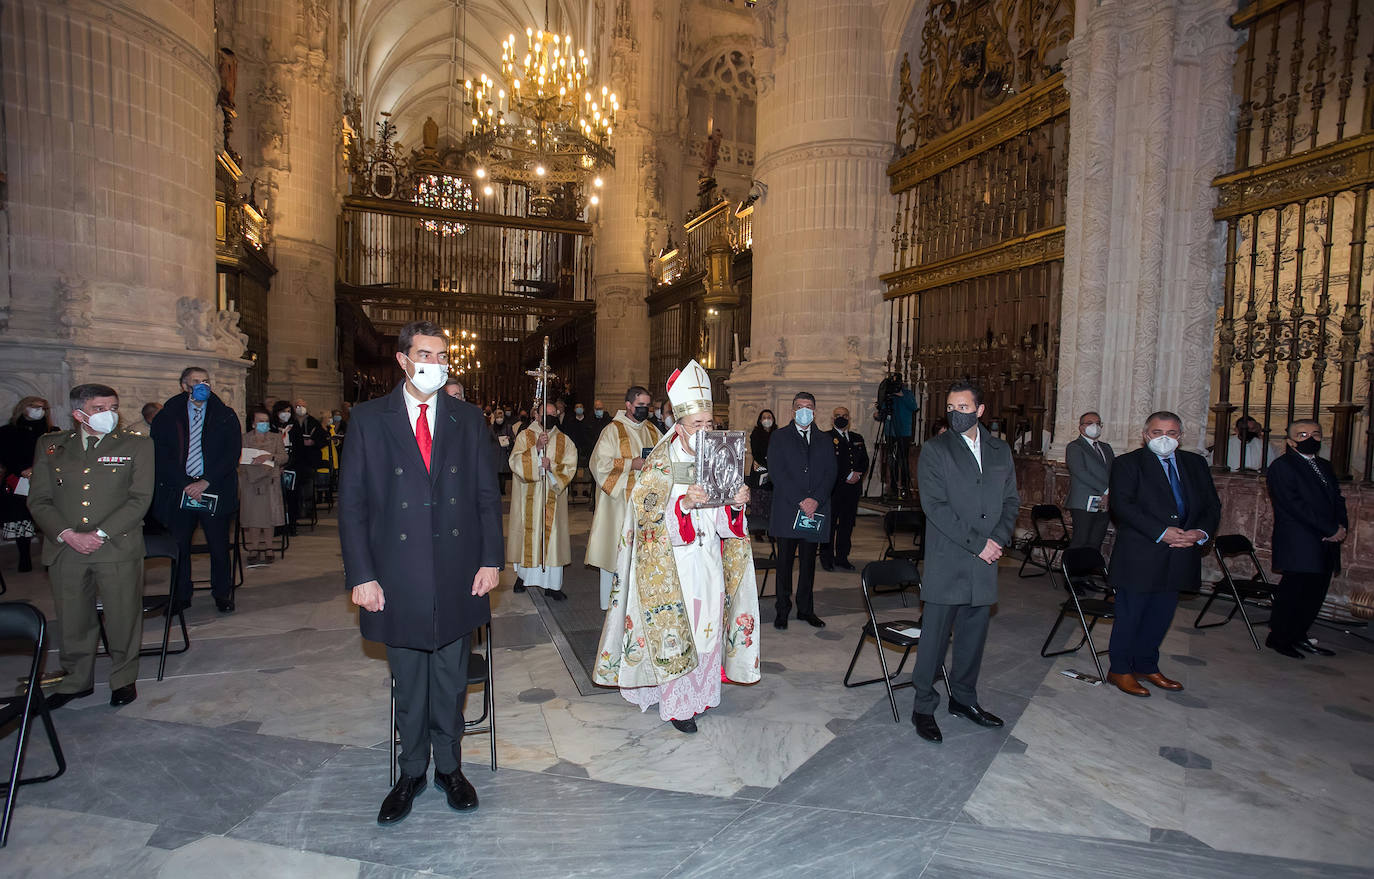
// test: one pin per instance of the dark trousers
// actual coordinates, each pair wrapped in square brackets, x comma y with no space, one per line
[844,506]
[1089,529]
[1297,602]
[969,627]
[216,528]
[431,686]
[787,548]
[1142,620]
[899,477]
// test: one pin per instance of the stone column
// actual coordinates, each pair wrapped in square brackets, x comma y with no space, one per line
[288,135]
[109,156]
[826,119]
[1151,123]
[632,201]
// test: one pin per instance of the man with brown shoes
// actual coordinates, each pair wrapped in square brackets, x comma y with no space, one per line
[1166,509]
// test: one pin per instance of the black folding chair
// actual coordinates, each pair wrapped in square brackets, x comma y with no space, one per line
[22,622]
[766,563]
[1051,538]
[897,522]
[1085,579]
[156,546]
[1254,589]
[904,634]
[479,674]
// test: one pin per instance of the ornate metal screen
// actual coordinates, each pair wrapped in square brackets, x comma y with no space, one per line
[980,178]
[1291,338]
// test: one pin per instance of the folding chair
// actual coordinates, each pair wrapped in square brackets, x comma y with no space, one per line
[1049,541]
[900,522]
[156,546]
[1085,575]
[22,622]
[905,634]
[479,673]
[764,563]
[1253,589]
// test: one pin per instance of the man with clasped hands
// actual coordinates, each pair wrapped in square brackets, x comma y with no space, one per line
[420,528]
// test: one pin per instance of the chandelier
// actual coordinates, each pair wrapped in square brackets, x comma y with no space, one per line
[545,125]
[462,352]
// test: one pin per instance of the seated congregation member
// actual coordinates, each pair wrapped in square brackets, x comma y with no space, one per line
[969,495]
[420,530]
[1166,509]
[91,487]
[261,509]
[684,608]
[544,462]
[198,444]
[1310,522]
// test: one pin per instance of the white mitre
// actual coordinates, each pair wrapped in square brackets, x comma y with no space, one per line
[689,390]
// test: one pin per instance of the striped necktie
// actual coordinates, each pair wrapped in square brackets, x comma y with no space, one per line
[195,461]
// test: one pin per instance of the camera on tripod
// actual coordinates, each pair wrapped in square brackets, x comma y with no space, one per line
[889,390]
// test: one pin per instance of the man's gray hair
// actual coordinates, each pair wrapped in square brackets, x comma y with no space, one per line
[1164,415]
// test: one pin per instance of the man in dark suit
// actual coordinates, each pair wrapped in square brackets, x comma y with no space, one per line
[801,462]
[1309,525]
[968,493]
[1090,467]
[420,528]
[851,463]
[1166,509]
[197,441]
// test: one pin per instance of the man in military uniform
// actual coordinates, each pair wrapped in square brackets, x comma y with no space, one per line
[90,488]
[851,463]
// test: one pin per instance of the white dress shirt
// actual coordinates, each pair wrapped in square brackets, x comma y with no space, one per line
[975,445]
[413,410]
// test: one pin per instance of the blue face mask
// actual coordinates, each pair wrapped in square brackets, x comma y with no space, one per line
[805,417]
[337,419]
[262,427]
[201,392]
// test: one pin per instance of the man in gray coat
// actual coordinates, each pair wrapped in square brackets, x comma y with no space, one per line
[968,492]
[1090,468]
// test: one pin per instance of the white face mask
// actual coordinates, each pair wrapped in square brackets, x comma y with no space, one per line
[103,422]
[1092,431]
[34,413]
[283,416]
[428,377]
[300,410]
[767,423]
[1163,445]
[690,441]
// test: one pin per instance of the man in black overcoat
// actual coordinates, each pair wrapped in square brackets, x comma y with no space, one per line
[1309,525]
[420,528]
[197,440]
[1166,509]
[801,462]
[967,481]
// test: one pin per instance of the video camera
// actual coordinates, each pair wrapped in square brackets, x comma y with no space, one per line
[888,391]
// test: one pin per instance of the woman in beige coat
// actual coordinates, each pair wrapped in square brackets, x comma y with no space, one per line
[260,499]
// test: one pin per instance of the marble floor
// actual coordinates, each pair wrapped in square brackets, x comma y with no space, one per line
[264,753]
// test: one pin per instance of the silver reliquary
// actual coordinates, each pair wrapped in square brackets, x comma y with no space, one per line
[720,464]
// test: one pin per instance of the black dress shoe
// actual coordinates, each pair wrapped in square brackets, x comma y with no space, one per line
[844,566]
[124,695]
[57,700]
[974,713]
[397,803]
[555,594]
[827,566]
[225,605]
[462,796]
[1309,647]
[813,620]
[926,727]
[780,624]
[1284,649]
[688,726]
[519,584]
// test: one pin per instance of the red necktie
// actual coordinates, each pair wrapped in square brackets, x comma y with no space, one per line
[422,435]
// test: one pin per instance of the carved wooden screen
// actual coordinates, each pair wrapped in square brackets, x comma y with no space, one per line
[978,239]
[1291,336]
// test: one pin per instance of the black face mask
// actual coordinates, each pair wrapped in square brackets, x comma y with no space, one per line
[641,413]
[1309,446]
[960,422]
[550,422]
[842,423]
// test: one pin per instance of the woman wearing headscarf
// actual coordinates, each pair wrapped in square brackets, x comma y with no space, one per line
[18,439]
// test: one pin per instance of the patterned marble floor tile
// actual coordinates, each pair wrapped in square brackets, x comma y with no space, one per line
[42,838]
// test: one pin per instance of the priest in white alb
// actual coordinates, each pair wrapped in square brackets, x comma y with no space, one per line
[543,461]
[616,462]
[684,606]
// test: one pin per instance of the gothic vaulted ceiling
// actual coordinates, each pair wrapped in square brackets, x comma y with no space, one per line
[405,55]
